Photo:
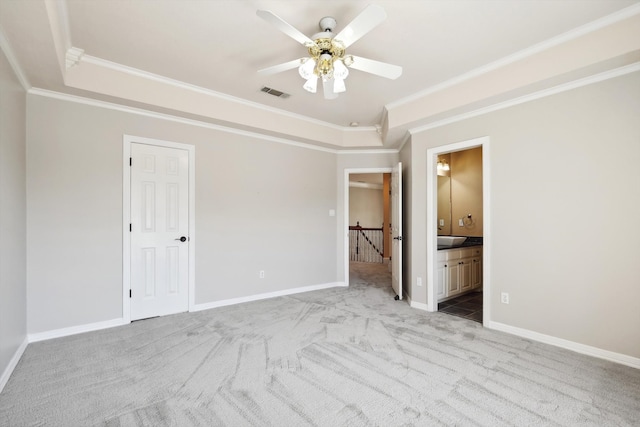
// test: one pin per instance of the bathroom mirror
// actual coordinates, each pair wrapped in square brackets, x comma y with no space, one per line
[444,206]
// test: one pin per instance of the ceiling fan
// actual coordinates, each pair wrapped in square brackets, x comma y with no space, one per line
[327,52]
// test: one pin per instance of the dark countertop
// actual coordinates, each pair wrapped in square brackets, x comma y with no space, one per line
[471,241]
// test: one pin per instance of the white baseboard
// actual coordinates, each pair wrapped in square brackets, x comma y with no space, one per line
[414,304]
[419,305]
[233,301]
[623,359]
[73,330]
[13,363]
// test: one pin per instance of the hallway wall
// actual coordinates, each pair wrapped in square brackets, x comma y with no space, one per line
[13,232]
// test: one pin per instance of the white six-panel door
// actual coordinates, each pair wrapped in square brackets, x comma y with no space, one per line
[159,231]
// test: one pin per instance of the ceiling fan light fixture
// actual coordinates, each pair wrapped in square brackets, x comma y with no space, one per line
[311,84]
[325,66]
[339,70]
[338,85]
[307,68]
[348,60]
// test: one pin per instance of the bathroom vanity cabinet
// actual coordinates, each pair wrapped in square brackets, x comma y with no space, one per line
[459,271]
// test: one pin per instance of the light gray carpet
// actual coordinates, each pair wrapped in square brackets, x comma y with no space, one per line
[337,357]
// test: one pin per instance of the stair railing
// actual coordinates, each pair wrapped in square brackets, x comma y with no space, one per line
[366,244]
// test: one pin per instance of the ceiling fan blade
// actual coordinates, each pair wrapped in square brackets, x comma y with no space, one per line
[378,68]
[327,86]
[281,67]
[283,26]
[361,25]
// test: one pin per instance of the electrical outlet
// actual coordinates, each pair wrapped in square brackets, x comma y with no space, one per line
[262,274]
[504,298]
[419,281]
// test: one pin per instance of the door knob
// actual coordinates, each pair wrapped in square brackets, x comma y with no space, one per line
[182,239]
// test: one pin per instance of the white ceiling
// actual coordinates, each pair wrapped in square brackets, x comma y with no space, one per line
[219,45]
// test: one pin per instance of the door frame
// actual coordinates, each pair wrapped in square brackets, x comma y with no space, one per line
[432,215]
[127,140]
[345,227]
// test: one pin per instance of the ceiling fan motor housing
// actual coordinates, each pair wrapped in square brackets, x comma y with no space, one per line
[328,23]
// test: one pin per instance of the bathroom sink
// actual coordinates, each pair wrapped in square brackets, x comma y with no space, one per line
[451,240]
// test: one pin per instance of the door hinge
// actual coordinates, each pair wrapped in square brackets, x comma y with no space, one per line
[130,161]
[130,228]
[129,293]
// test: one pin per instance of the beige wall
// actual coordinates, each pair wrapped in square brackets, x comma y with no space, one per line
[366,207]
[13,286]
[260,205]
[444,205]
[466,192]
[562,240]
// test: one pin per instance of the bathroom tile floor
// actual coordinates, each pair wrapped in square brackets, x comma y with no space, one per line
[468,306]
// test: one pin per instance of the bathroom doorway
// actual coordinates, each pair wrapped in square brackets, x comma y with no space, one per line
[458,206]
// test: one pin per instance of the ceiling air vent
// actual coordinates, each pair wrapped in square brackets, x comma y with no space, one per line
[275,92]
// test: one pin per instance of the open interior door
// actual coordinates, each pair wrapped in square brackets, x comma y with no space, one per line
[396,230]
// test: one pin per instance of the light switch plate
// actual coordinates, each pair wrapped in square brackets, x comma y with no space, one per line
[504,298]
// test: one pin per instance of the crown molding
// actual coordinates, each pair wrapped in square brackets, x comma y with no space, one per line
[413,131]
[176,119]
[13,61]
[369,151]
[358,129]
[617,72]
[209,92]
[537,48]
[73,56]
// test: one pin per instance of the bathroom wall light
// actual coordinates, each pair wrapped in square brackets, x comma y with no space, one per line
[443,165]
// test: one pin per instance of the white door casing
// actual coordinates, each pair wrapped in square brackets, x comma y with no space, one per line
[396,229]
[159,231]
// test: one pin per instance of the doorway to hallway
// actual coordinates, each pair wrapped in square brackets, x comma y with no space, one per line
[395,227]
